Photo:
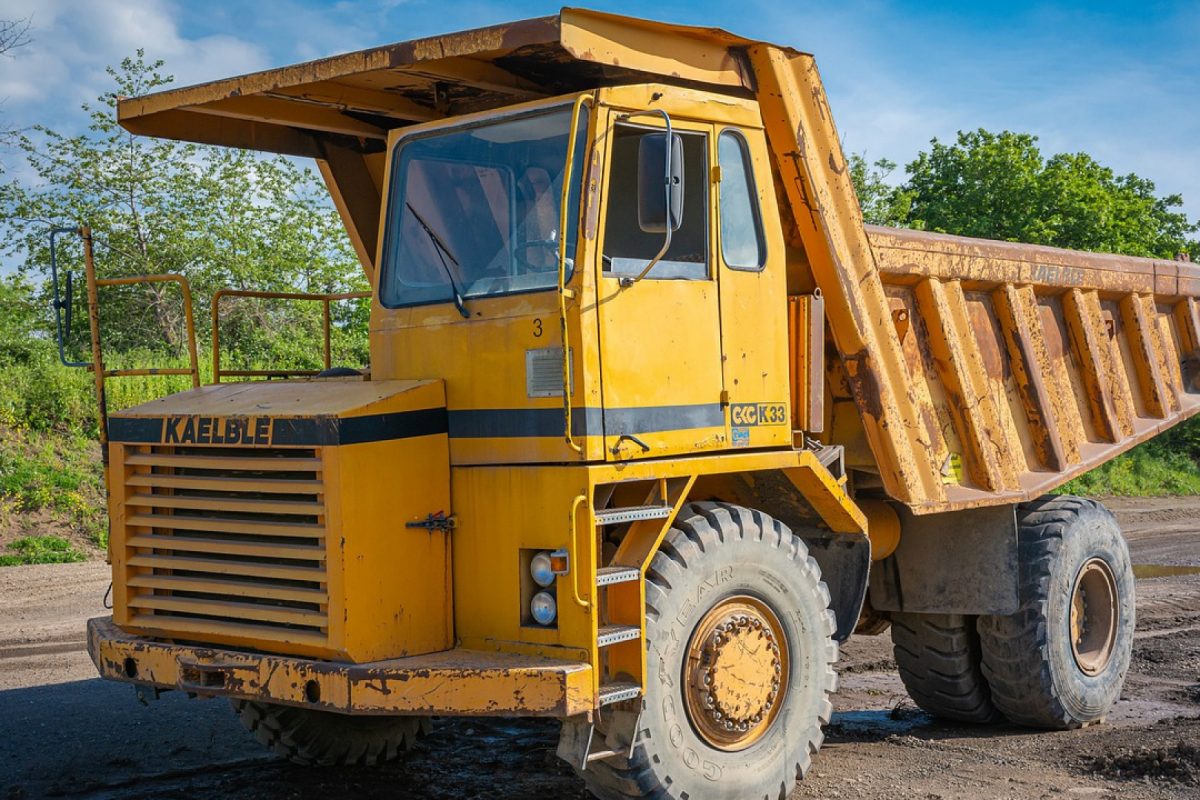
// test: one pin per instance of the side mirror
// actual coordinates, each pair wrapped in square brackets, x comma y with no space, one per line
[660,182]
[62,303]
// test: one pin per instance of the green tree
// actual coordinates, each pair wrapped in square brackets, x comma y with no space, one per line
[14,33]
[221,217]
[20,314]
[1000,186]
[882,203]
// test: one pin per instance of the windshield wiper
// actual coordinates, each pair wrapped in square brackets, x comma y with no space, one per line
[441,248]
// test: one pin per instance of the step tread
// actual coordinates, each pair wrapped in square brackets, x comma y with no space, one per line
[618,691]
[610,575]
[612,634]
[622,514]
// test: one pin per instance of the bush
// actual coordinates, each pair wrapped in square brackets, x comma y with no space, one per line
[40,550]
[1152,469]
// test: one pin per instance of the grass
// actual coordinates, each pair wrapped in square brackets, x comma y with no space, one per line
[50,472]
[53,476]
[40,550]
[1149,470]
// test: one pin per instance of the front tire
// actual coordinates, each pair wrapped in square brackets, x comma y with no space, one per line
[1061,660]
[322,738]
[741,653]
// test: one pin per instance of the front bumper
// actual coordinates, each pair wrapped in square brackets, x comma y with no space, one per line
[453,682]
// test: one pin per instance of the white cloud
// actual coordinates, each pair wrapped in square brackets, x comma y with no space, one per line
[73,41]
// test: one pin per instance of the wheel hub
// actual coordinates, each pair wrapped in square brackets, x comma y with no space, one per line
[1094,616]
[736,673]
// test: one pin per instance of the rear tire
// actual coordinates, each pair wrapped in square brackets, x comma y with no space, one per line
[938,657]
[323,738]
[1060,661]
[716,557]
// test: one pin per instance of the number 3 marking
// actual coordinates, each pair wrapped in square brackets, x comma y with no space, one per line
[537,329]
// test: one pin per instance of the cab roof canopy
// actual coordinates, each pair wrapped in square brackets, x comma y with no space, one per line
[353,100]
[339,110]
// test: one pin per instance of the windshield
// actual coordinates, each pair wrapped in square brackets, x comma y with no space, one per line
[475,211]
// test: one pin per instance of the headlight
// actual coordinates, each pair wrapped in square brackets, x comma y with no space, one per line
[542,569]
[543,608]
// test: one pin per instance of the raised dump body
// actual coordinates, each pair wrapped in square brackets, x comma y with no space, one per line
[608,472]
[1030,365]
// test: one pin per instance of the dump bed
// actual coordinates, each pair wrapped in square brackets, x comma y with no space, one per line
[1030,365]
[982,372]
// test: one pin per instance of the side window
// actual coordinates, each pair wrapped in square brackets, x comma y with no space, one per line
[741,227]
[628,248]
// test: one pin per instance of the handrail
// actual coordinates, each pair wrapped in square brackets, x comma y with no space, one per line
[99,373]
[189,321]
[324,298]
[579,500]
[564,207]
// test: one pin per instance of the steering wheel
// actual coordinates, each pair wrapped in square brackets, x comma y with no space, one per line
[520,253]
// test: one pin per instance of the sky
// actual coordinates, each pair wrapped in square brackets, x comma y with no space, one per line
[1118,80]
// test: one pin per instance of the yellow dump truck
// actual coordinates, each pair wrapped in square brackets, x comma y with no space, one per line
[652,423]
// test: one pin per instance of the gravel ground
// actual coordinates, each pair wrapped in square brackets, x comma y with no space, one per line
[64,733]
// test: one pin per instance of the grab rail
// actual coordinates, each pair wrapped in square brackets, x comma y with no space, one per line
[63,302]
[563,291]
[325,299]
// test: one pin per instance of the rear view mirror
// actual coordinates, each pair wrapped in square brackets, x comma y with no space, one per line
[660,182]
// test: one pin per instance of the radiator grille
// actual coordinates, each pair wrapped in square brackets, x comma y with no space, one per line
[225,542]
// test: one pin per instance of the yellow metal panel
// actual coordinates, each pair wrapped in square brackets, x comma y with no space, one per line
[687,53]
[455,682]
[225,586]
[118,471]
[1094,357]
[972,406]
[224,503]
[826,495]
[488,575]
[813,172]
[1026,355]
[222,567]
[185,544]
[1138,322]
[222,484]
[224,526]
[395,579]
[483,362]
[247,611]
[692,105]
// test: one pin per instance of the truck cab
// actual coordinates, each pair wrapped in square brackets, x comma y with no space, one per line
[656,363]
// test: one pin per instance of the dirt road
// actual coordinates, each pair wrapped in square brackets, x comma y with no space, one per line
[64,733]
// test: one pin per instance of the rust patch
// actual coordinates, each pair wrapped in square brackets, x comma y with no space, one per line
[864,383]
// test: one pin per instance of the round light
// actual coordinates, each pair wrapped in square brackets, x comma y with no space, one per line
[541,569]
[543,608]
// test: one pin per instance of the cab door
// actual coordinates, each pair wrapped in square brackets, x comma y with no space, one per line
[660,336]
[754,302]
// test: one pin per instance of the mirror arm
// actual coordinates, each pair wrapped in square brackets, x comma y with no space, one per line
[630,280]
